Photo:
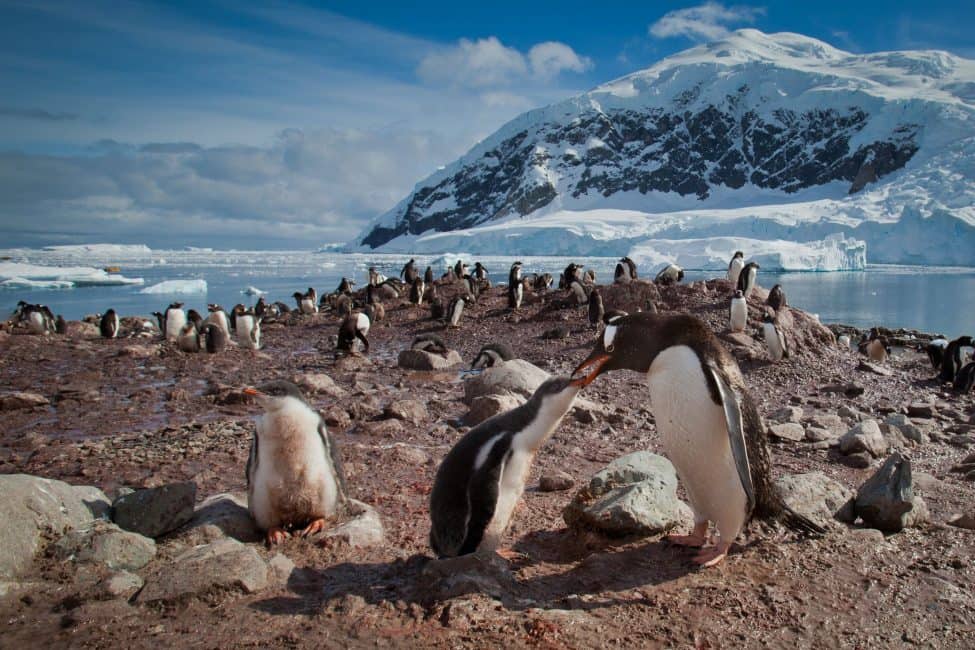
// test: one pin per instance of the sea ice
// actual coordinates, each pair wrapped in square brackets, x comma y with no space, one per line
[177,287]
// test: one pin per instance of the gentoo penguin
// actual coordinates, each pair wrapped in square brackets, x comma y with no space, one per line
[375,277]
[429,343]
[625,271]
[282,308]
[707,422]
[60,325]
[777,348]
[936,351]
[614,315]
[571,272]
[776,298]
[271,312]
[238,309]
[670,274]
[542,282]
[408,273]
[454,311]
[194,317]
[175,320]
[161,320]
[417,289]
[39,318]
[311,293]
[460,269]
[746,279]
[294,471]
[353,326]
[482,477]
[480,273]
[219,317]
[305,303]
[375,311]
[346,286]
[595,307]
[189,338]
[953,361]
[579,292]
[739,312]
[260,307]
[109,325]
[216,338]
[472,287]
[877,349]
[735,266]
[965,378]
[491,355]
[428,276]
[589,278]
[248,328]
[516,290]
[844,341]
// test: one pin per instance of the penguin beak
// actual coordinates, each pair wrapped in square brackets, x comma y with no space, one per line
[253,392]
[597,360]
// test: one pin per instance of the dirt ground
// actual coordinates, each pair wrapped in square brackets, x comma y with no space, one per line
[144,417]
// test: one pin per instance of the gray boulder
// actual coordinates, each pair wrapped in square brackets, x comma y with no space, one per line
[364,530]
[153,512]
[107,544]
[33,507]
[788,431]
[514,377]
[816,496]
[633,495]
[905,428]
[223,564]
[865,436]
[829,421]
[224,515]
[786,414]
[487,406]
[886,501]
[121,584]
[427,361]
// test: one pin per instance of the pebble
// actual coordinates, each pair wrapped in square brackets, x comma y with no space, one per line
[555,482]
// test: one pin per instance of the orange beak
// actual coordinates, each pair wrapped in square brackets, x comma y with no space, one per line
[252,391]
[597,360]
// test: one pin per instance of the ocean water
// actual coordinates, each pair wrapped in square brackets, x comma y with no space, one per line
[931,299]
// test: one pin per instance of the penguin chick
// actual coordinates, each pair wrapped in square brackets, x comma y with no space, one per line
[777,348]
[429,343]
[776,298]
[109,325]
[481,479]
[670,274]
[216,338]
[294,470]
[375,311]
[188,339]
[492,354]
[353,326]
[595,307]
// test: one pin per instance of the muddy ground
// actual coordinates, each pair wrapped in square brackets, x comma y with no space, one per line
[148,415]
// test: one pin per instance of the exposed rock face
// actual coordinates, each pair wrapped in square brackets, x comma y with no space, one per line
[155,511]
[816,496]
[365,529]
[107,544]
[223,564]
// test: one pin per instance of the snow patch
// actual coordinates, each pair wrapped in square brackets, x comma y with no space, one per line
[177,287]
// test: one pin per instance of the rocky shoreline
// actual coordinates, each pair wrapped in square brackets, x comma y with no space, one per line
[139,533]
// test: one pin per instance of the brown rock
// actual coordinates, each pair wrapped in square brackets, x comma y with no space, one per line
[407,409]
[876,369]
[555,481]
[320,383]
[788,431]
[921,410]
[22,400]
[337,417]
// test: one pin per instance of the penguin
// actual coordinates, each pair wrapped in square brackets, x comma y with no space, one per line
[271,312]
[492,354]
[189,338]
[282,308]
[175,319]
[39,318]
[219,317]
[776,298]
[346,286]
[953,360]
[622,273]
[670,274]
[746,279]
[877,350]
[437,310]
[408,269]
[60,325]
[388,290]
[375,277]
[595,307]
[650,307]
[460,269]
[354,326]
[936,351]
[777,348]
[429,343]
[516,290]
[739,312]
[570,273]
[216,338]
[482,477]
[306,305]
[965,378]
[238,309]
[161,320]
[613,315]
[248,328]
[707,421]
[589,278]
[375,311]
[543,282]
[579,292]
[194,317]
[449,276]
[472,288]
[844,342]
[428,276]
[417,290]
[295,479]
[109,325]
[260,308]
[480,273]
[735,266]
[454,311]
[312,295]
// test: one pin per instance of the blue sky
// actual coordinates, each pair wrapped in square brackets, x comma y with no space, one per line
[291,124]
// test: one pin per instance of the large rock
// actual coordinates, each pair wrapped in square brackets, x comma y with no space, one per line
[829,421]
[33,507]
[222,515]
[408,410]
[816,496]
[633,495]
[865,436]
[514,377]
[788,431]
[487,406]
[21,400]
[886,501]
[153,512]
[364,530]
[423,360]
[105,543]
[907,429]
[320,383]
[223,564]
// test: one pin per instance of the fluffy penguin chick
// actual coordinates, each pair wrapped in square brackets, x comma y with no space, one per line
[189,338]
[777,349]
[492,354]
[739,312]
[294,471]
[481,479]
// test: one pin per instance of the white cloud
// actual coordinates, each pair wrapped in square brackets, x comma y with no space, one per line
[707,22]
[487,62]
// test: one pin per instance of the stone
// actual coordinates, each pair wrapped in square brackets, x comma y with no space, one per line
[22,400]
[921,410]
[32,508]
[786,414]
[138,351]
[153,512]
[905,428]
[121,584]
[829,421]
[865,436]
[788,431]
[410,455]
[364,530]
[514,377]
[634,495]
[816,496]
[320,384]
[875,368]
[383,428]
[337,417]
[281,567]
[859,460]
[107,544]
[866,537]
[817,434]
[886,500]
[427,361]
[227,515]
[487,406]
[584,415]
[849,412]
[966,521]
[408,410]
[223,564]
[555,481]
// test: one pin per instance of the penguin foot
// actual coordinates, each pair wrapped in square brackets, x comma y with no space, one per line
[696,539]
[712,555]
[316,526]
[276,535]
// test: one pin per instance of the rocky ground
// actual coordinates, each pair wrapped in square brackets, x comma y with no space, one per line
[182,566]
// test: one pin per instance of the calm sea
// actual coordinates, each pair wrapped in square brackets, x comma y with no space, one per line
[930,299]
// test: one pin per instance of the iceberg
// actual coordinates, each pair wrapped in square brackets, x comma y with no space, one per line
[101,249]
[174,287]
[15,274]
[250,291]
[21,283]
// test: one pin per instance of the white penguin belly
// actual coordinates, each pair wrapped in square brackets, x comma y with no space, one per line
[775,350]
[175,321]
[36,323]
[734,271]
[739,315]
[510,488]
[245,324]
[694,434]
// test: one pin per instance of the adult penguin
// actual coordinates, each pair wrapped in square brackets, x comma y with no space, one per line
[216,338]
[935,350]
[260,307]
[408,269]
[516,290]
[706,419]
[460,269]
[543,282]
[579,291]
[670,274]
[480,273]
[774,340]
[248,328]
[746,279]
[294,471]
[175,321]
[429,343]
[455,310]
[193,316]
[953,361]
[417,290]
[776,298]
[571,272]
[306,304]
[354,326]
[109,325]
[428,276]
[472,287]
[219,317]
[735,266]
[739,312]
[625,271]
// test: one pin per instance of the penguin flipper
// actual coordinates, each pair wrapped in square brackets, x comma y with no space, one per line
[251,467]
[332,450]
[736,436]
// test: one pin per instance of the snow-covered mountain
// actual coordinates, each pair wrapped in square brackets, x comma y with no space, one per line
[763,136]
